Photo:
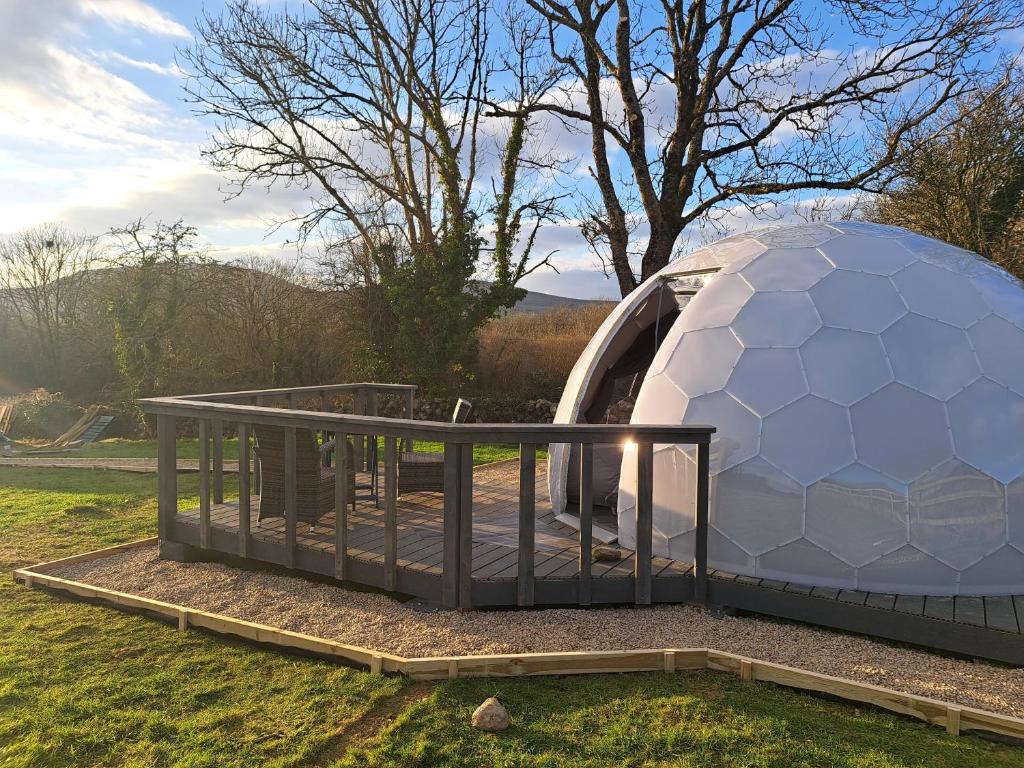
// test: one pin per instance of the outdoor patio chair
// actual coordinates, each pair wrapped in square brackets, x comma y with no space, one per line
[425,471]
[314,482]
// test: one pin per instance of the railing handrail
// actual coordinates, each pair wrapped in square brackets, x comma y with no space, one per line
[304,390]
[456,586]
[440,431]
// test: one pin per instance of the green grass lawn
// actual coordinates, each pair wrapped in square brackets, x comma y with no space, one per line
[119,448]
[84,685]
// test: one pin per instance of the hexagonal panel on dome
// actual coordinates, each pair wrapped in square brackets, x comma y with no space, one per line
[716,304]
[798,236]
[786,269]
[861,253]
[1003,296]
[803,562]
[738,430]
[808,439]
[703,360]
[900,432]
[995,574]
[869,228]
[999,345]
[674,496]
[939,294]
[776,319]
[659,402]
[943,255]
[730,254]
[957,514]
[844,366]
[722,554]
[857,301]
[987,421]
[907,571]
[1015,513]
[857,514]
[764,380]
[930,356]
[757,507]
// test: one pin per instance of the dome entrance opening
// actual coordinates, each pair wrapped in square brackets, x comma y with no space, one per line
[610,394]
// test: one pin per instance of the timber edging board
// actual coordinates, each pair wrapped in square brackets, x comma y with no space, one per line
[953,717]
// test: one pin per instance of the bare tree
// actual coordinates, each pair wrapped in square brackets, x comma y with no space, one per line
[376,108]
[42,270]
[965,185]
[737,101]
[277,320]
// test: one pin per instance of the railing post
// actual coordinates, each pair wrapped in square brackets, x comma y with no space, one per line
[341,501]
[360,441]
[204,483]
[409,414]
[244,490]
[700,546]
[257,477]
[644,523]
[586,520]
[465,526]
[527,524]
[218,461]
[371,440]
[167,475]
[450,565]
[390,513]
[290,497]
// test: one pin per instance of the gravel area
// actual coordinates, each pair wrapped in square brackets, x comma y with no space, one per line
[378,622]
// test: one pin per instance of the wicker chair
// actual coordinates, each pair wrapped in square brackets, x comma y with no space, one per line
[314,482]
[425,471]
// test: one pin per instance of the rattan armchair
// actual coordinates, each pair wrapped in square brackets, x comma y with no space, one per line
[424,472]
[313,480]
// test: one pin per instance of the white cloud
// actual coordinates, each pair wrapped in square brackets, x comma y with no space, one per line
[79,104]
[135,13]
[171,70]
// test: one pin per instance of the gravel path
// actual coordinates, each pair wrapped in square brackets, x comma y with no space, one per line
[378,622]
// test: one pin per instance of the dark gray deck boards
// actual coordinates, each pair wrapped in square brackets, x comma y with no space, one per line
[1000,614]
[983,626]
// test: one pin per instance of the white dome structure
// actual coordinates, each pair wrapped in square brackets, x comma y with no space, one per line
[867,384]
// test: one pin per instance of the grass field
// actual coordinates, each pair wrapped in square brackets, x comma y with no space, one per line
[189,449]
[83,685]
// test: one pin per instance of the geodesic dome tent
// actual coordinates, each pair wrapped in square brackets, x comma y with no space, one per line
[867,384]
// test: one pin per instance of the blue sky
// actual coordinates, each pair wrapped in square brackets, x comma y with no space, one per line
[95,133]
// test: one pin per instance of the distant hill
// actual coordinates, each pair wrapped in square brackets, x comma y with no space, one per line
[535,302]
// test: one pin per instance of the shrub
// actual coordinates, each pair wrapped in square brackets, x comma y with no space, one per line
[529,356]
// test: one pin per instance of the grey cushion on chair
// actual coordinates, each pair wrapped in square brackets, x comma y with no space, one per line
[425,471]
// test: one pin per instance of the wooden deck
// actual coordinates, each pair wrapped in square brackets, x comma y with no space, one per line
[421,535]
[991,627]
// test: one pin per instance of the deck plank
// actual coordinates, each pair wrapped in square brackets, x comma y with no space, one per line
[913,604]
[969,610]
[881,600]
[852,596]
[939,608]
[1000,614]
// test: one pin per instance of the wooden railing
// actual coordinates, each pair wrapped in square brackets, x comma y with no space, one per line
[456,586]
